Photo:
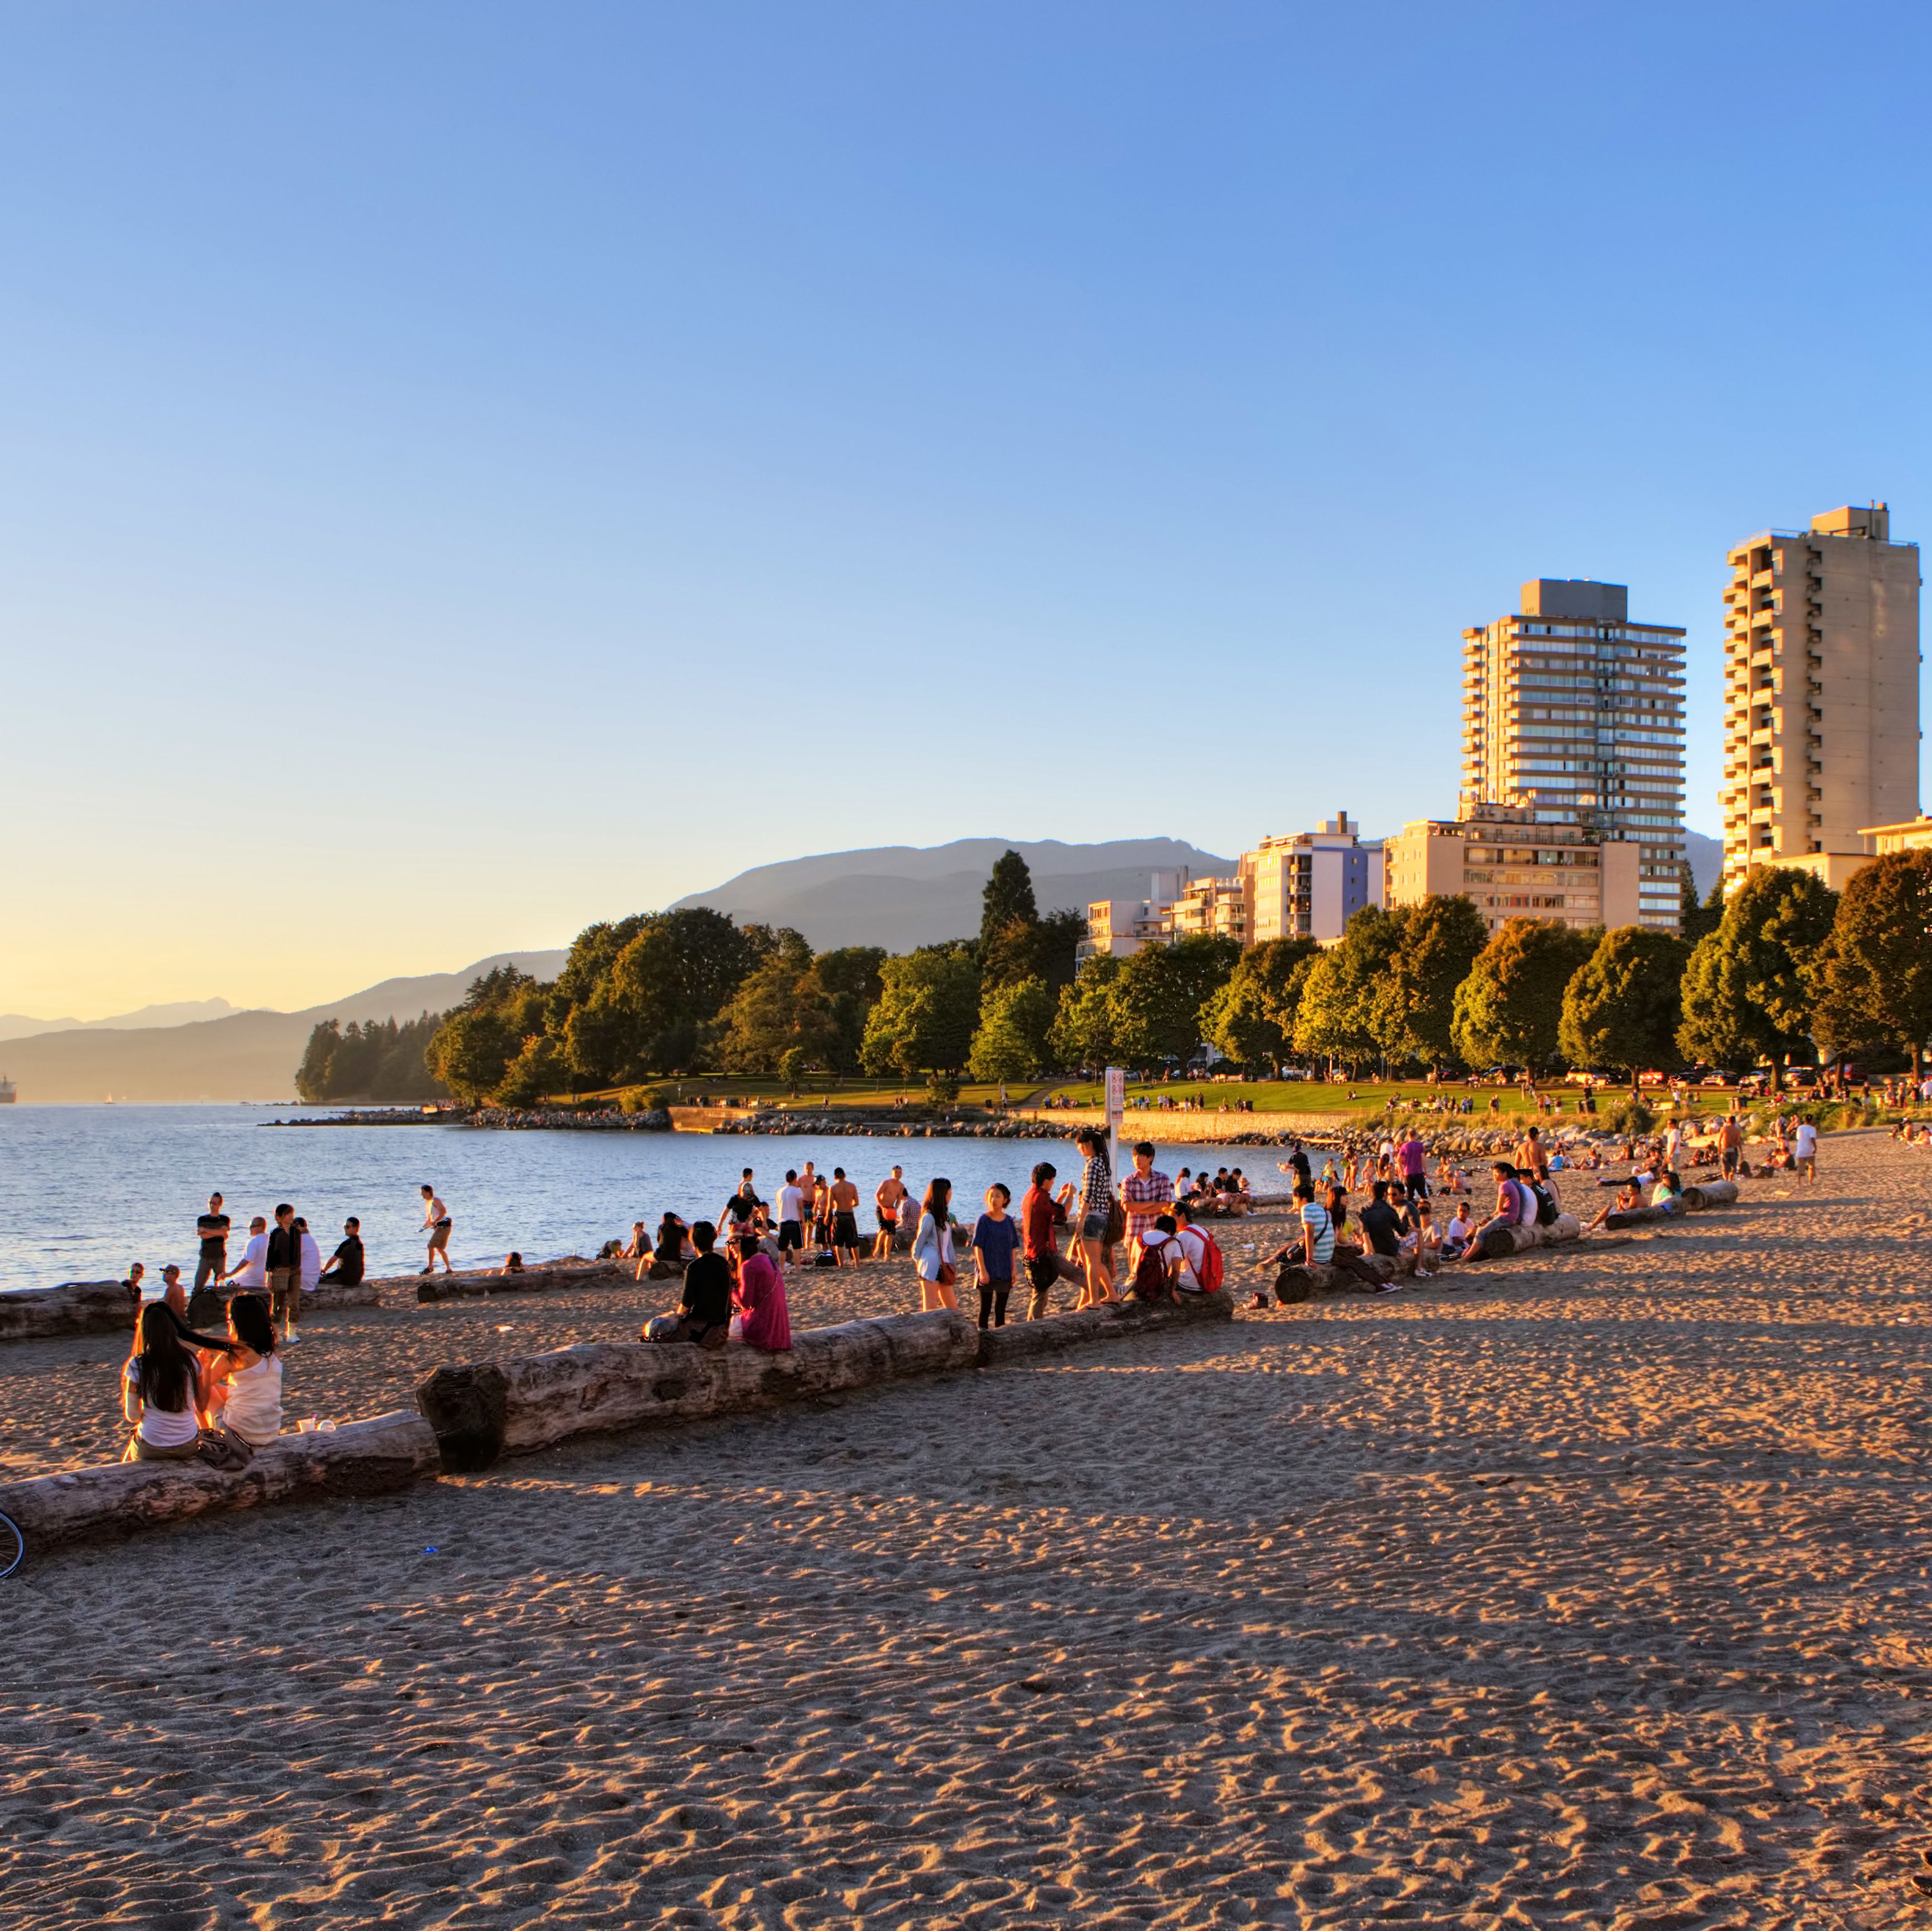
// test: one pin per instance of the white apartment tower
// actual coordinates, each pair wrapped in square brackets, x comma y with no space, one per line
[1821,693]
[1576,714]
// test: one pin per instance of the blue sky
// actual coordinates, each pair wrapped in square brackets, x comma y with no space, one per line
[474,469]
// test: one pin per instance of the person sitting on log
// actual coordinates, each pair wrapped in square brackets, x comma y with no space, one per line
[671,1257]
[1512,1206]
[1381,1226]
[513,1262]
[703,1316]
[162,1391]
[1160,1254]
[762,1319]
[1629,1198]
[1669,1192]
[1456,1236]
[638,1250]
[244,1386]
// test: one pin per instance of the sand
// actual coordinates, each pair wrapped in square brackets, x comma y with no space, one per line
[1592,1592]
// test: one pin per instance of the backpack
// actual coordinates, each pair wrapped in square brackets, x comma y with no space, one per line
[1546,1208]
[1211,1270]
[1150,1282]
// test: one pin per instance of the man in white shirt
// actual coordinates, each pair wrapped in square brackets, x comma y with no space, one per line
[791,1216]
[1805,1149]
[251,1275]
[1193,1246]
[311,1258]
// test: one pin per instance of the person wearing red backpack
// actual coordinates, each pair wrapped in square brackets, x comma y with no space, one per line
[1202,1269]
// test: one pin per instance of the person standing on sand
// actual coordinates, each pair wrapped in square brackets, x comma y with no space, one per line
[742,1210]
[932,1248]
[437,1222]
[791,1220]
[284,1258]
[994,1238]
[844,1201]
[1091,1247]
[1532,1157]
[211,1230]
[1144,1193]
[889,1201]
[1805,1149]
[1042,1215]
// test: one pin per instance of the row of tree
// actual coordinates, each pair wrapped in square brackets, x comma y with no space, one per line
[379,1061]
[1786,965]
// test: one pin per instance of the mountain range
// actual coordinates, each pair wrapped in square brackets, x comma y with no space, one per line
[897,896]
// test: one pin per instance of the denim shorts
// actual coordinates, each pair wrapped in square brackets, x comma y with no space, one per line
[1094,1226]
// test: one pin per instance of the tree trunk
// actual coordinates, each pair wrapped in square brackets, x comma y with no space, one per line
[365,1458]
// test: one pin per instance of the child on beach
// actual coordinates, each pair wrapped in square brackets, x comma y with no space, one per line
[995,1239]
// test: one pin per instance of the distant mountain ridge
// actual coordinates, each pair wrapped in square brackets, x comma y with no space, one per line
[181,1012]
[240,1056]
[900,896]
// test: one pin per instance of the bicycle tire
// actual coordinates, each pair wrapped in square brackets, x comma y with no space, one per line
[13,1546]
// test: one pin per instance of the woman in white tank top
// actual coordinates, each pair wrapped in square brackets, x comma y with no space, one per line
[246,1393]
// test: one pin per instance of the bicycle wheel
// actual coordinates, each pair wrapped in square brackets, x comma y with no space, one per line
[13,1546]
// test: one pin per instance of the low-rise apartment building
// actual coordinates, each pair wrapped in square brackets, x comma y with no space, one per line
[1311,884]
[1511,866]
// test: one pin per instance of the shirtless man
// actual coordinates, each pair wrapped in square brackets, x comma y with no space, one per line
[845,1202]
[889,1199]
[808,1184]
[1730,1146]
[436,1224]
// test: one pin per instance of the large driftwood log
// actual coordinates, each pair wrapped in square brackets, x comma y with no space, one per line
[79,1307]
[531,1281]
[491,1408]
[1057,1332]
[365,1458]
[1502,1243]
[1709,1194]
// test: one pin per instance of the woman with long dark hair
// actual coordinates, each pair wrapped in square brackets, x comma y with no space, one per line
[1091,1248]
[932,1248]
[162,1391]
[244,1391]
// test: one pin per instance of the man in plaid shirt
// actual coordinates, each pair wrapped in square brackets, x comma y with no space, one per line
[1145,1194]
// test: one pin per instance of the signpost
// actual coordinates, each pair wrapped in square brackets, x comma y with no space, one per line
[1116,1108]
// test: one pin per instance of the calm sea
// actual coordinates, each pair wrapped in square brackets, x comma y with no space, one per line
[84,1190]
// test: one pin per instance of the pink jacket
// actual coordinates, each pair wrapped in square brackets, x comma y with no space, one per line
[759,1297]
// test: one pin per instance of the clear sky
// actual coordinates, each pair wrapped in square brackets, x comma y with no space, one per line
[472,469]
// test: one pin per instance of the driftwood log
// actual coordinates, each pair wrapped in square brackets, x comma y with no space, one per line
[531,1281]
[1692,1200]
[365,1458]
[1500,1243]
[80,1307]
[1117,1321]
[492,1408]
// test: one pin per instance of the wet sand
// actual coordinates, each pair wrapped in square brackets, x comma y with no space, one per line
[1591,1592]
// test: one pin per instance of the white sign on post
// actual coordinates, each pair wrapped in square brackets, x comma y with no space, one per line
[1117,1108]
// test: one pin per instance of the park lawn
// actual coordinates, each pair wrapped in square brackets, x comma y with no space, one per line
[767,1089]
[1360,1099]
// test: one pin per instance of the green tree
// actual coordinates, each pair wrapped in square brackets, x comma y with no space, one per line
[927,1008]
[1043,948]
[312,1085]
[1337,1016]
[1748,989]
[1252,1018]
[1699,919]
[1510,1008]
[538,1071]
[791,1068]
[1623,1006]
[1083,1028]
[1872,977]
[1414,1007]
[1008,897]
[778,1006]
[848,980]
[676,975]
[1015,1022]
[471,1052]
[1158,997]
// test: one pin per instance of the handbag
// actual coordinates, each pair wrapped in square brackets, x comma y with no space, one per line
[1117,1223]
[948,1273]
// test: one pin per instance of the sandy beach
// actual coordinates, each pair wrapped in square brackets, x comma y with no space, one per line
[1589,1591]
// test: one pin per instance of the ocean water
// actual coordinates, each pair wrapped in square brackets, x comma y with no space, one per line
[84,1190]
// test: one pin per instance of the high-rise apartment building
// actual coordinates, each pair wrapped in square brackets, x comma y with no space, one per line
[1309,885]
[1821,693]
[1574,714]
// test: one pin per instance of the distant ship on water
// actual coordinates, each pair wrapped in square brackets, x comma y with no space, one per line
[7,1094]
